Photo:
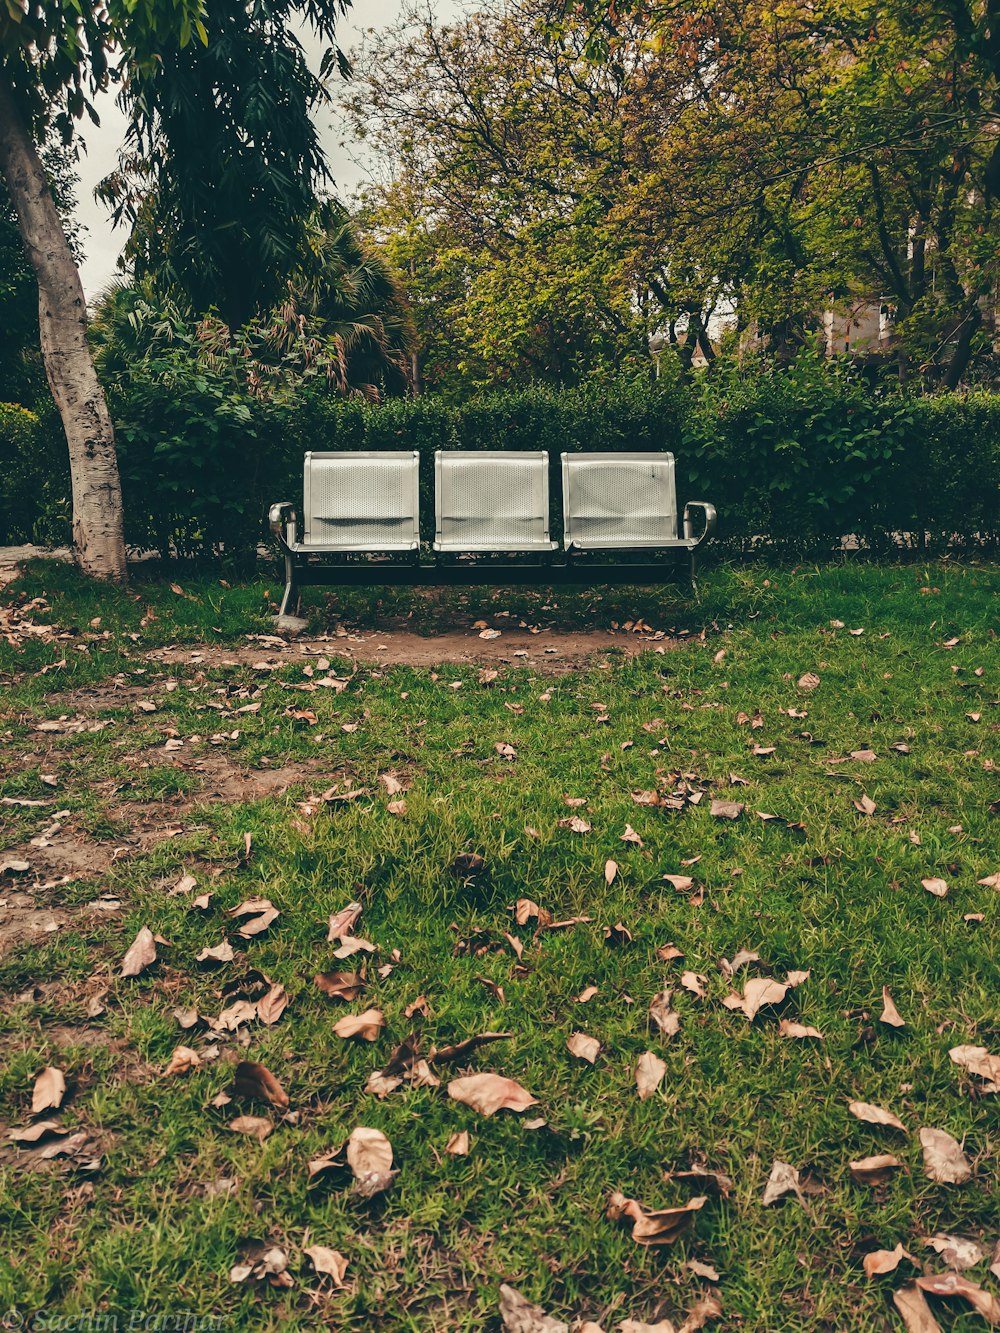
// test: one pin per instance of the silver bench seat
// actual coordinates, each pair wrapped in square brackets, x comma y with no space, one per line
[492,501]
[358,501]
[625,501]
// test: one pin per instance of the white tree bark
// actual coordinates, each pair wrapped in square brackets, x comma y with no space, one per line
[69,367]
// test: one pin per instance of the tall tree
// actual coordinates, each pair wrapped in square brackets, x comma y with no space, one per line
[56,55]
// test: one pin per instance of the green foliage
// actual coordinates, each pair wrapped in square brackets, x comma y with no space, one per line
[794,459]
[34,483]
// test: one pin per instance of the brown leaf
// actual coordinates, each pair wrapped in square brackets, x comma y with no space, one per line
[991,881]
[341,985]
[610,871]
[369,1155]
[666,953]
[704,1310]
[575,824]
[489,1093]
[519,1315]
[958,1252]
[695,983]
[258,924]
[272,1005]
[784,1179]
[343,922]
[586,994]
[458,1144]
[727,809]
[654,1226]
[255,1125]
[327,1263]
[890,1014]
[714,1182]
[448,1054]
[809,681]
[786,1028]
[141,954]
[649,1074]
[917,1317]
[183,1060]
[885,1261]
[944,1160]
[583,1047]
[938,887]
[616,935]
[217,953]
[680,882]
[874,1170]
[367,1026]
[948,1285]
[255,1082]
[631,836]
[978,1061]
[49,1090]
[875,1115]
[661,1014]
[418,1006]
[525,910]
[758,992]
[865,805]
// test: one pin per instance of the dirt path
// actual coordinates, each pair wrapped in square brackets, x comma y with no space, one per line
[549,650]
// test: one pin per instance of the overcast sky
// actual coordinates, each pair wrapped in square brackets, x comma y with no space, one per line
[103,244]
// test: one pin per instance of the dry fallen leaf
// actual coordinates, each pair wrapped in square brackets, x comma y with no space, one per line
[875,1115]
[661,1014]
[448,1054]
[489,1093]
[458,1144]
[948,1285]
[271,1006]
[865,805]
[653,1226]
[938,887]
[958,1252]
[328,1263]
[263,1262]
[183,1060]
[216,953]
[254,1081]
[912,1305]
[369,1155]
[610,871]
[141,954]
[890,1014]
[343,922]
[944,1160]
[367,1026]
[584,1047]
[787,1028]
[761,991]
[885,1261]
[649,1073]
[978,1061]
[519,1315]
[809,681]
[255,1126]
[784,1179]
[49,1090]
[695,983]
[874,1170]
[727,809]
[680,882]
[341,985]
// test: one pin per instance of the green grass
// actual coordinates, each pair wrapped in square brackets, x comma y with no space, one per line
[843,899]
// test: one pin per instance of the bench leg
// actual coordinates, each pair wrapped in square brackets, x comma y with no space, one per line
[693,572]
[290,601]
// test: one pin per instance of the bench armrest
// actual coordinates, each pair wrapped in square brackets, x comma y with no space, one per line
[278,516]
[709,513]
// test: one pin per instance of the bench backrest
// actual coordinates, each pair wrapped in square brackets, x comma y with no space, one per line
[492,500]
[362,500]
[619,499]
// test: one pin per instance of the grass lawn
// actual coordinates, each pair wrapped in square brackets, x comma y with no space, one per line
[457,790]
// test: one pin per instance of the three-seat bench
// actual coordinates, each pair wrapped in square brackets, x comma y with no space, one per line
[492,515]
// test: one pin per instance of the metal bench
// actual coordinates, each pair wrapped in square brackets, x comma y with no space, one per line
[487,505]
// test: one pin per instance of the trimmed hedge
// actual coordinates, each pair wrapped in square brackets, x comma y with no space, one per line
[794,459]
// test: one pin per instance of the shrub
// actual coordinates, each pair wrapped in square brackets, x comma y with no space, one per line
[34,476]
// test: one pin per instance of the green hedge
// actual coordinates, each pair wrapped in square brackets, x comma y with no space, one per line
[793,458]
[34,477]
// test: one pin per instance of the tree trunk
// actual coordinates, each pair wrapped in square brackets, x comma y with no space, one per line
[62,316]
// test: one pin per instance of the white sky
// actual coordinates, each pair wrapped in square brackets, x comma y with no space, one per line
[102,244]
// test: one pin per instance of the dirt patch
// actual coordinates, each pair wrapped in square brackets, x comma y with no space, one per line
[549,651]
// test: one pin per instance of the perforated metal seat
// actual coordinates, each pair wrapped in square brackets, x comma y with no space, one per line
[361,501]
[619,501]
[492,501]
